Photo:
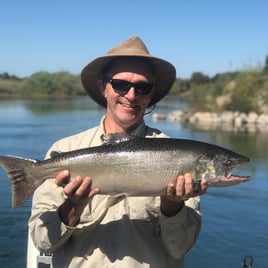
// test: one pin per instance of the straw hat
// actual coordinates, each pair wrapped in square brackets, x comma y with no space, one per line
[164,72]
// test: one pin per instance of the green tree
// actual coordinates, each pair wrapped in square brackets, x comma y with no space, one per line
[52,85]
[245,95]
[199,78]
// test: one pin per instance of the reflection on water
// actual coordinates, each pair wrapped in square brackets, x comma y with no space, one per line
[235,219]
[48,106]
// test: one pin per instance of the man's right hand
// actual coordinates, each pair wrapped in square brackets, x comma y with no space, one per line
[78,193]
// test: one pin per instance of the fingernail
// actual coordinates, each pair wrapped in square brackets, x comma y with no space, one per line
[66,172]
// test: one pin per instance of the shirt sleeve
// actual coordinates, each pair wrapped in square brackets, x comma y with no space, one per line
[180,232]
[46,228]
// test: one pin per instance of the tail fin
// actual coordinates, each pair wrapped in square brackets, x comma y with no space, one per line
[19,172]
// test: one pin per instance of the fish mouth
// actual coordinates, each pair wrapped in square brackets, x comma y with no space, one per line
[229,170]
[229,181]
[235,179]
[232,179]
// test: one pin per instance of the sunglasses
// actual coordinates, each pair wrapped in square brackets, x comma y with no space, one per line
[123,86]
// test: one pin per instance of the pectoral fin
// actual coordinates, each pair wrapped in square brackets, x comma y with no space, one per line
[114,199]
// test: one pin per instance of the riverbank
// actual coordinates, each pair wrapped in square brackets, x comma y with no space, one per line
[226,121]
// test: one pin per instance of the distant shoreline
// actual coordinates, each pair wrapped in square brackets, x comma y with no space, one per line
[227,120]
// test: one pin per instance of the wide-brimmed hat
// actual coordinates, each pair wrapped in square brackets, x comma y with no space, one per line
[163,71]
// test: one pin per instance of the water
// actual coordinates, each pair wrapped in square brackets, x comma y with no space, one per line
[235,219]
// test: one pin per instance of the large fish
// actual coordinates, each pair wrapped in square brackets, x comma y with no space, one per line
[128,165]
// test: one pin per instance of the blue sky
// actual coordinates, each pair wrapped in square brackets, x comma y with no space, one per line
[195,35]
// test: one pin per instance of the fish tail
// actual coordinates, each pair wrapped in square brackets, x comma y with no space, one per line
[19,171]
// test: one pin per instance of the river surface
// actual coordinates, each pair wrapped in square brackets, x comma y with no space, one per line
[235,219]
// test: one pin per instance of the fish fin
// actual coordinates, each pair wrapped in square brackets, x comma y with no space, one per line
[114,199]
[55,153]
[18,169]
[113,138]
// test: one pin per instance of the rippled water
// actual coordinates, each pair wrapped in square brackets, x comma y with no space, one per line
[235,219]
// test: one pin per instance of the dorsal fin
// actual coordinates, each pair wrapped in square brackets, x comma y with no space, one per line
[113,138]
[55,153]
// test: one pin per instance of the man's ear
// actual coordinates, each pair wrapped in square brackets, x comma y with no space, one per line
[101,87]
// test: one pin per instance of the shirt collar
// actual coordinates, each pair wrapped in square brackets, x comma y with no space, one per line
[138,131]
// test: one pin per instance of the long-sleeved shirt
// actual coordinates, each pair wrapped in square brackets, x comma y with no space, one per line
[129,233]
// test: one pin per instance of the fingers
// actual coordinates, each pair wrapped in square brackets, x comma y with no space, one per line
[76,186]
[62,178]
[184,185]
[93,192]
[80,187]
[184,189]
[203,187]
[76,189]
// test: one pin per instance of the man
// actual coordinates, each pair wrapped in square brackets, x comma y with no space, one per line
[83,229]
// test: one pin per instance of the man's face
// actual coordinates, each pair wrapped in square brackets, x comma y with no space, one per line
[126,110]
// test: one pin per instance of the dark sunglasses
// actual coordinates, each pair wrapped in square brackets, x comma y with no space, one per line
[123,86]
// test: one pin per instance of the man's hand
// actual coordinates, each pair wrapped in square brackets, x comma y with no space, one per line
[173,201]
[78,192]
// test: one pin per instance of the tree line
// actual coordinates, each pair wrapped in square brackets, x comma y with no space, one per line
[242,91]
[41,85]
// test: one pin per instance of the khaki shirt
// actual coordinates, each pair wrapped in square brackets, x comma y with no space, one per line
[131,233]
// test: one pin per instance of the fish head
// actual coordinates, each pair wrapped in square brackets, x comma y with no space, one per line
[216,166]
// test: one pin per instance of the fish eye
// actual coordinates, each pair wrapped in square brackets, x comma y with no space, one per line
[227,163]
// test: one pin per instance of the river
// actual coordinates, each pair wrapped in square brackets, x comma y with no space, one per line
[235,219]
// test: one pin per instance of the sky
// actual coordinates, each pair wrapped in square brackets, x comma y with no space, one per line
[194,35]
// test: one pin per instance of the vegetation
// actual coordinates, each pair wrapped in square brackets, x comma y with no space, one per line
[242,91]
[41,85]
